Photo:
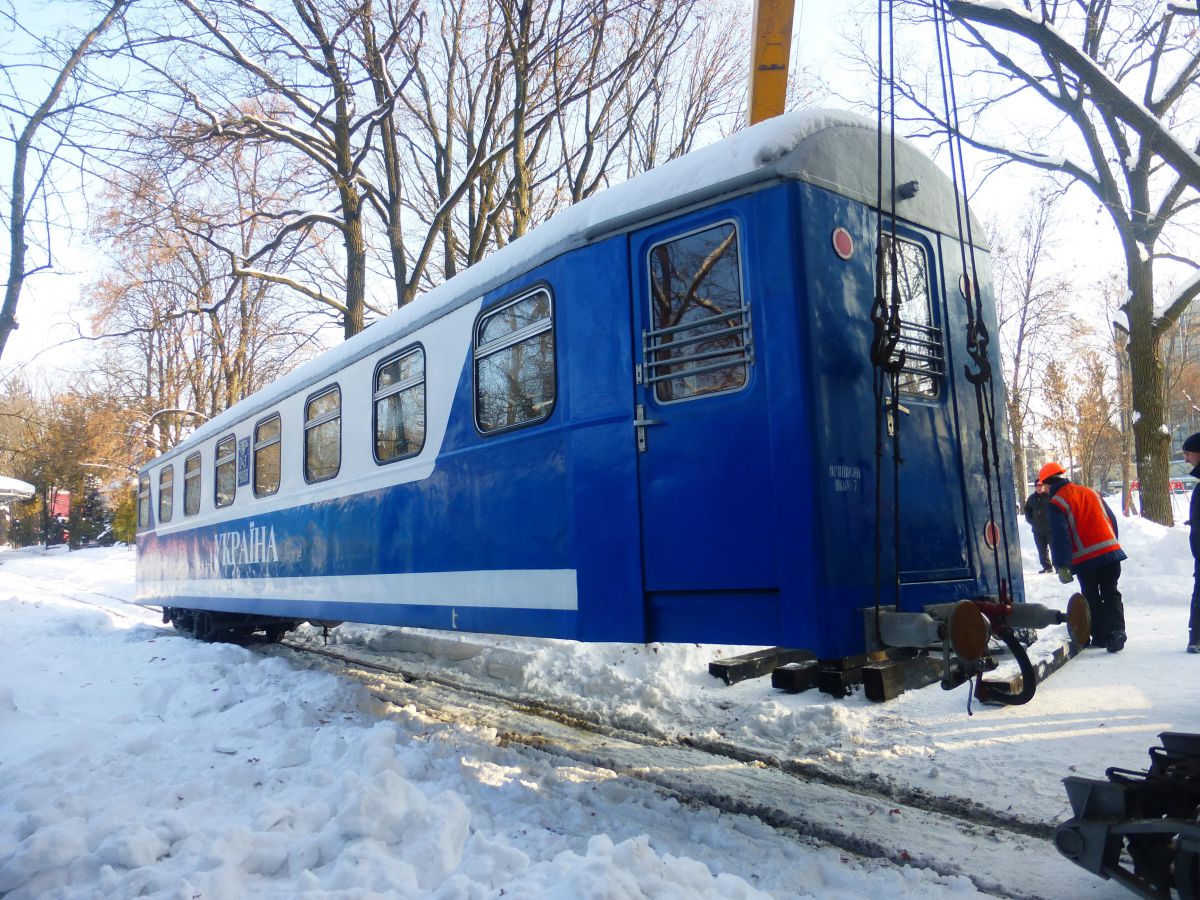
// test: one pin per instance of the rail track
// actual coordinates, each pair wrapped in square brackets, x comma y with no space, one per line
[73,591]
[863,816]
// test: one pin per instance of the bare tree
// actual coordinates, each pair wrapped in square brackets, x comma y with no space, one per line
[518,108]
[696,85]
[419,126]
[1123,75]
[316,80]
[1029,300]
[181,332]
[27,122]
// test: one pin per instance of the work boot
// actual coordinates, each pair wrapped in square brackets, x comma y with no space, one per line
[1193,643]
[1116,642]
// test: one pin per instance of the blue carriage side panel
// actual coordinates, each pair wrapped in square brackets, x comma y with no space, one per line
[779,276]
[561,494]
[839,368]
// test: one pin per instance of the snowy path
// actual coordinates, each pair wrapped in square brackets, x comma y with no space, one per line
[133,761]
[861,821]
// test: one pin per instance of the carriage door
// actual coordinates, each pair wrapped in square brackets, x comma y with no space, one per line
[933,533]
[704,462]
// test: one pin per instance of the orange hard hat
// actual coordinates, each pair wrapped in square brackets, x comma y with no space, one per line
[1049,470]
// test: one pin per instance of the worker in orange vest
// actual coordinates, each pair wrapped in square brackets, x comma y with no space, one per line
[1083,545]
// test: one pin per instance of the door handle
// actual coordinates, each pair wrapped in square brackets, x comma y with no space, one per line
[640,424]
[891,419]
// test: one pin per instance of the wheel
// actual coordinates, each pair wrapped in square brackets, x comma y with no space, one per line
[202,626]
[184,621]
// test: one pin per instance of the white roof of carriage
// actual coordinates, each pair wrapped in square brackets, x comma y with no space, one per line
[831,149]
[15,489]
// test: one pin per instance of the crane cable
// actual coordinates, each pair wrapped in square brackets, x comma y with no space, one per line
[886,361]
[978,337]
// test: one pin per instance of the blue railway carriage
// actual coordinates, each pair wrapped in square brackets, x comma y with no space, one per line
[650,419]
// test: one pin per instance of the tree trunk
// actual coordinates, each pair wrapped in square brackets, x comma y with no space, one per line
[1016,427]
[522,190]
[376,66]
[17,246]
[356,268]
[1152,442]
[1126,432]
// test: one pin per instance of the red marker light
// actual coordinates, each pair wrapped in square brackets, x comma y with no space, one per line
[991,535]
[843,244]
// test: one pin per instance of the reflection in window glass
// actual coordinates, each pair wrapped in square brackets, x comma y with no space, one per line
[143,515]
[514,364]
[919,338]
[400,406]
[266,457]
[166,488]
[226,480]
[191,485]
[701,331]
[323,435]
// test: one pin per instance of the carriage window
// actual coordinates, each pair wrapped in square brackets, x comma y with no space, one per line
[166,493]
[226,480]
[400,406]
[700,342]
[191,485]
[266,457]
[514,364]
[920,339]
[323,435]
[143,506]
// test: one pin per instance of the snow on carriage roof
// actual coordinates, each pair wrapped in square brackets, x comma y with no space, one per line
[840,156]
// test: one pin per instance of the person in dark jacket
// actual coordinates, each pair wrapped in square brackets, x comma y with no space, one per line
[1083,545]
[1191,453]
[1037,514]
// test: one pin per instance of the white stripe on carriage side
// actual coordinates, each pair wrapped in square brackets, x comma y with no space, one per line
[504,588]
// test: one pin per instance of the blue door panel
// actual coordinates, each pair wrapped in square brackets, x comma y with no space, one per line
[707,502]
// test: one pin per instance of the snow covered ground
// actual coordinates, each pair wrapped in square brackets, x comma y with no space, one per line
[134,762]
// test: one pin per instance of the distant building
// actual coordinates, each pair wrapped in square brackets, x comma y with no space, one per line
[11,490]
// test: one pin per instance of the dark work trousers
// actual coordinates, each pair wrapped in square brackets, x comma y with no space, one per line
[1042,540]
[1099,588]
[1194,619]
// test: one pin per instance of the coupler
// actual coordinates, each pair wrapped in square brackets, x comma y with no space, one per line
[963,630]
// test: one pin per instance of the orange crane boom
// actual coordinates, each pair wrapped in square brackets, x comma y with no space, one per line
[769,60]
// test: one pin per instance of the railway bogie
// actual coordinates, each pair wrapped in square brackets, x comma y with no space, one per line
[228,626]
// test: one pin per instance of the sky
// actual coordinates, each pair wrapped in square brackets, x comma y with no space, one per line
[138,762]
